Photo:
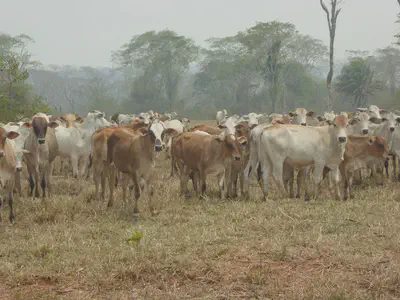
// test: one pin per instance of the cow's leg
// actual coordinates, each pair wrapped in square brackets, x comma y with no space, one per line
[1,208]
[387,167]
[202,181]
[265,175]
[111,180]
[288,179]
[136,183]
[104,176]
[10,204]
[346,188]
[125,181]
[97,176]
[335,180]
[318,169]
[301,176]
[250,167]
[74,162]
[221,182]
[37,182]
[43,185]
[394,163]
[48,178]
[18,182]
[277,173]
[398,175]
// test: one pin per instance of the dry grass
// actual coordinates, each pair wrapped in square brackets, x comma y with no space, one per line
[203,249]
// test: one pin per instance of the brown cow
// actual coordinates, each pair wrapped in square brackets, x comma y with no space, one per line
[206,128]
[99,155]
[132,152]
[7,169]
[42,148]
[360,152]
[205,154]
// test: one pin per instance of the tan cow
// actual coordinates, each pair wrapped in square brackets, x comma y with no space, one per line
[99,155]
[69,120]
[300,116]
[7,169]
[360,152]
[132,153]
[206,128]
[205,155]
[42,148]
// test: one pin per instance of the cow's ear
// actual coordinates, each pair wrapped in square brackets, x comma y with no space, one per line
[52,125]
[398,119]
[27,125]
[79,119]
[361,109]
[319,118]
[353,121]
[63,118]
[310,113]
[12,135]
[292,114]
[370,141]
[375,120]
[220,137]
[242,140]
[171,132]
[143,131]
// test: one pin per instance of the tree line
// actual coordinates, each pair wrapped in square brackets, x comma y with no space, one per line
[269,67]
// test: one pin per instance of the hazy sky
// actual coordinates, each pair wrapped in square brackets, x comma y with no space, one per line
[84,32]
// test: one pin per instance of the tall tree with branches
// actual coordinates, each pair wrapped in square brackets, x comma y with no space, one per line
[331,17]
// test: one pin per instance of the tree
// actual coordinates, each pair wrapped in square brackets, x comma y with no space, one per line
[357,80]
[331,18]
[387,67]
[16,96]
[162,57]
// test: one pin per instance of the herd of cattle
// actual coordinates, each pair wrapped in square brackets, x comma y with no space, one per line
[123,148]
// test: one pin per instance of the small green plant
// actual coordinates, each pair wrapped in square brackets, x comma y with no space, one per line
[135,238]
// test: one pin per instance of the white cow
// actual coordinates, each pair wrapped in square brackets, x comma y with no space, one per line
[301,147]
[300,116]
[359,124]
[75,142]
[221,115]
[373,111]
[253,119]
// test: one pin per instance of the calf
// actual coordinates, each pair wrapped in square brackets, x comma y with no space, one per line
[42,148]
[205,155]
[7,169]
[133,153]
[360,152]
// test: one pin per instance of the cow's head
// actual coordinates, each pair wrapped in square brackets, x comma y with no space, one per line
[361,120]
[156,129]
[392,120]
[4,134]
[340,126]
[377,146]
[253,120]
[231,144]
[145,118]
[300,116]
[228,126]
[40,125]
[373,111]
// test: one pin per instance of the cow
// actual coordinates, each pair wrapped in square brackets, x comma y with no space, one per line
[359,124]
[360,152]
[132,153]
[373,111]
[253,119]
[75,142]
[300,147]
[206,128]
[176,127]
[186,124]
[17,144]
[69,120]
[7,169]
[205,155]
[42,148]
[300,116]
[221,115]
[99,155]
[396,152]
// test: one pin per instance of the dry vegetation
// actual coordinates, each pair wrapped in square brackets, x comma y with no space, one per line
[203,249]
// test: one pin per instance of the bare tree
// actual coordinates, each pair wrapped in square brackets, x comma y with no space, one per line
[331,18]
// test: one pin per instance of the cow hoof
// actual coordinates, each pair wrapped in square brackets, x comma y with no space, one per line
[12,220]
[187,197]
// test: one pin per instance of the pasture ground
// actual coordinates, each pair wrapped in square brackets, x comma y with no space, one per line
[202,249]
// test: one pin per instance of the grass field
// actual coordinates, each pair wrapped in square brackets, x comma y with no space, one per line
[202,249]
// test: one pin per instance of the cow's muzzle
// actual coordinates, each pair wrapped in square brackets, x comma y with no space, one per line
[303,124]
[41,141]
[236,157]
[19,169]
[365,131]
[158,148]
[342,139]
[1,153]
[392,129]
